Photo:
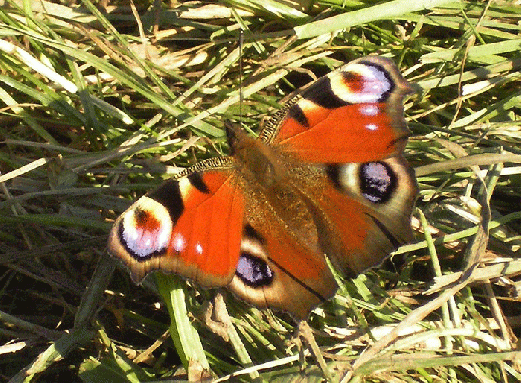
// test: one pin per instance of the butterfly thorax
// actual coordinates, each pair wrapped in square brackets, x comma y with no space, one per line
[257,161]
[270,185]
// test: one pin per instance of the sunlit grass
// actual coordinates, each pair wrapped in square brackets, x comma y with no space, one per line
[98,106]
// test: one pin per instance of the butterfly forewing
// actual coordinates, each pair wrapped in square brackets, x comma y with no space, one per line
[354,114]
[191,226]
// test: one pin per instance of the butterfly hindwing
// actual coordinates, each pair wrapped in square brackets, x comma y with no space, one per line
[276,269]
[363,212]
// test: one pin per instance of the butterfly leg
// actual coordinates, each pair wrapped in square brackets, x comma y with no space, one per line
[216,318]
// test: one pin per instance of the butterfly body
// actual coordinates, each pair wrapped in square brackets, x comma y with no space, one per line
[326,178]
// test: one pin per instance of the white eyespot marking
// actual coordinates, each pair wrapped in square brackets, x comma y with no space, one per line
[369,110]
[377,82]
[347,176]
[198,248]
[252,269]
[371,127]
[179,242]
[359,83]
[146,228]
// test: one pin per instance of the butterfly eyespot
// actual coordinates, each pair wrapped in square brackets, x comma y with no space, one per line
[362,82]
[377,181]
[376,81]
[254,271]
[145,229]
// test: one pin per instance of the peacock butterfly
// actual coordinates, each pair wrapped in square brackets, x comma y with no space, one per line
[326,178]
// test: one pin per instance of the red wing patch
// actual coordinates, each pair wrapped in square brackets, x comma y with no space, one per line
[352,133]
